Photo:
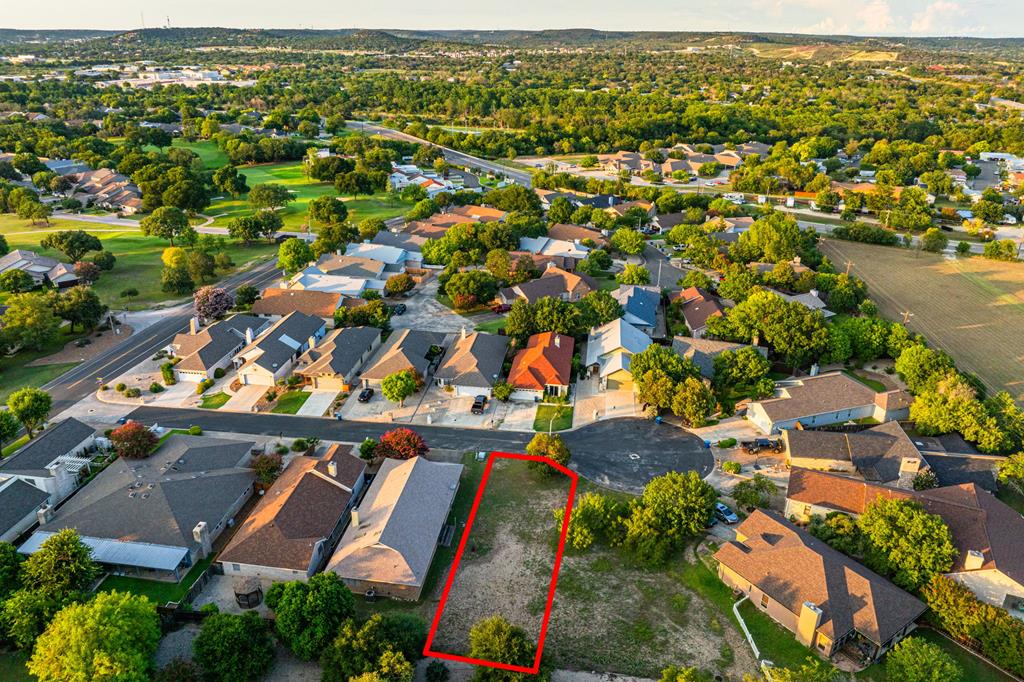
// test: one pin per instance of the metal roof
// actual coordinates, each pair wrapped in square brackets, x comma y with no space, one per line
[114,552]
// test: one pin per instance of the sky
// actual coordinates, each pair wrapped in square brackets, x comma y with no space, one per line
[986,18]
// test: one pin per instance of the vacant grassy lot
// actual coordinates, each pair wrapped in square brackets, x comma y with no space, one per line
[971,308]
[304,190]
[138,257]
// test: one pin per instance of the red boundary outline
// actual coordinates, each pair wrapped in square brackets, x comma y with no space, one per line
[573,479]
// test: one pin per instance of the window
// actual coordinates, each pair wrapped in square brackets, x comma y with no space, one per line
[235,568]
[764,601]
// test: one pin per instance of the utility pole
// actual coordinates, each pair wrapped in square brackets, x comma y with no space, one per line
[849,264]
[906,316]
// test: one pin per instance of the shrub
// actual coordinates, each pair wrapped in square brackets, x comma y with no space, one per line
[502,391]
[195,430]
[203,386]
[731,467]
[401,443]
[133,440]
[299,445]
[267,467]
[132,393]
[218,373]
[727,443]
[119,387]
[104,387]
[167,371]
[437,671]
[155,387]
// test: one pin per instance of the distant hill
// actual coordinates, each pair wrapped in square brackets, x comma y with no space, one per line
[12,35]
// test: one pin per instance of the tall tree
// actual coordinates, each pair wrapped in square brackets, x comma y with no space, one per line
[31,406]
[170,223]
[72,243]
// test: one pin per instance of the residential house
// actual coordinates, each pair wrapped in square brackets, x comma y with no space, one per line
[620,210]
[41,269]
[987,534]
[697,306]
[735,225]
[294,526]
[311,279]
[394,259]
[335,362]
[882,454]
[472,365]
[53,461]
[390,543]
[823,597]
[156,517]
[554,283]
[205,350]
[704,351]
[809,300]
[477,214]
[277,303]
[20,504]
[106,189]
[411,244]
[543,367]
[546,246]
[829,398]
[641,306]
[634,162]
[350,266]
[577,233]
[271,356]
[764,268]
[405,349]
[609,348]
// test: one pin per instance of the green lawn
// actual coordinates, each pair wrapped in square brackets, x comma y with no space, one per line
[138,258]
[290,402]
[776,643]
[562,415]
[12,667]
[876,386]
[13,446]
[291,175]
[492,327]
[155,590]
[207,150]
[214,401]
[15,372]
[975,669]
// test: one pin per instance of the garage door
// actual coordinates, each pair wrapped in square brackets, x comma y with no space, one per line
[620,385]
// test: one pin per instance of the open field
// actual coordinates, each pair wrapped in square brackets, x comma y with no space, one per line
[971,308]
[138,257]
[291,175]
[504,570]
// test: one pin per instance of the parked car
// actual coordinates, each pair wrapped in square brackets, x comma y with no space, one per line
[479,403]
[725,514]
[759,444]
[365,395]
[398,309]
[500,308]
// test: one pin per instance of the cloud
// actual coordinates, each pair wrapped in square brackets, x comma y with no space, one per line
[875,17]
[940,16]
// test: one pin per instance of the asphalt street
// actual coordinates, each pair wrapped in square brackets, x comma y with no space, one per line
[83,380]
[451,155]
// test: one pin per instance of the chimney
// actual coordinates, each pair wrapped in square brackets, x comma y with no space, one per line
[910,466]
[248,335]
[355,518]
[332,469]
[796,260]
[201,534]
[311,341]
[558,340]
[974,560]
[193,326]
[815,369]
[813,292]
[44,514]
[463,334]
[807,625]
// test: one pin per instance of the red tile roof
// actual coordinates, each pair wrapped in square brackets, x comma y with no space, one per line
[543,363]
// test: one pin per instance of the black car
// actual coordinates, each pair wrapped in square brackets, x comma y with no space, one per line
[399,309]
[479,403]
[365,395]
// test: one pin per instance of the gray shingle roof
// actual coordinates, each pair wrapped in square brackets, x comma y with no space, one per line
[339,352]
[52,443]
[18,500]
[282,341]
[160,499]
[475,360]
[704,351]
[404,349]
[639,302]
[204,350]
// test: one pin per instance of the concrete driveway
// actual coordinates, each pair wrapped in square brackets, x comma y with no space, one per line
[424,311]
[245,398]
[625,454]
[318,403]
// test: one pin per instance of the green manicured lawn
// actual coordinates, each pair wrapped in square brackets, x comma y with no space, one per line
[492,327]
[876,386]
[974,668]
[562,415]
[12,667]
[290,402]
[292,176]
[214,401]
[155,590]
[15,372]
[13,446]
[776,643]
[138,258]
[207,150]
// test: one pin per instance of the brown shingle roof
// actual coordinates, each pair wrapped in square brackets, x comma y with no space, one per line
[876,452]
[300,509]
[792,567]
[284,301]
[573,232]
[818,395]
[976,519]
[542,363]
